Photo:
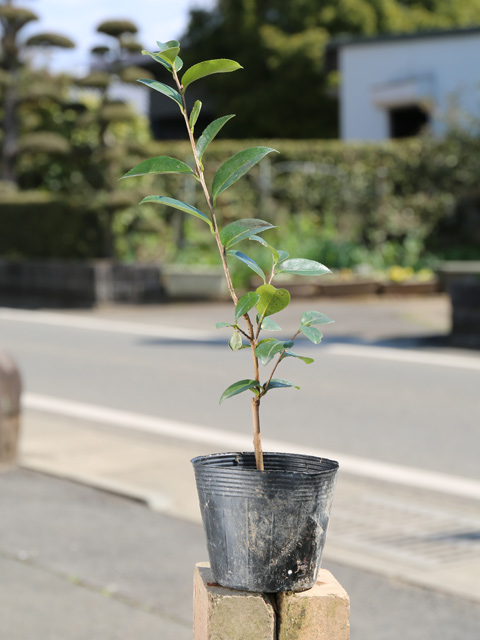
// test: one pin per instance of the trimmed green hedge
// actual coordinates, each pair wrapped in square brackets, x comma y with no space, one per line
[400,202]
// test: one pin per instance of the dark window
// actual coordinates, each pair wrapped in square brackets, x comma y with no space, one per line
[407,121]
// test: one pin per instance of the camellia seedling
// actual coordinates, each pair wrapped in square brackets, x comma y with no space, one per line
[253,310]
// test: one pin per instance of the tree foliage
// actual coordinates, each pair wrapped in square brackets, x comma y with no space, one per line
[12,74]
[282,43]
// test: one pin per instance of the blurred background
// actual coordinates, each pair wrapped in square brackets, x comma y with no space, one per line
[375,118]
[374,106]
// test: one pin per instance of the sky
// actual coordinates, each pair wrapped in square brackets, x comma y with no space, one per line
[156,19]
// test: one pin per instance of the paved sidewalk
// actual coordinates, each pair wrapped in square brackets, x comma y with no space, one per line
[421,536]
[77,563]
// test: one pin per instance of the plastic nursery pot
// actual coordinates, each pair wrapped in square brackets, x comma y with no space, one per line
[265,529]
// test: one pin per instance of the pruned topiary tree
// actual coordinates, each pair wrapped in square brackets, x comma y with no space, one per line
[13,67]
[111,153]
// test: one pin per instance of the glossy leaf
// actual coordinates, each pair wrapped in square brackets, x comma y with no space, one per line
[248,261]
[272,300]
[268,246]
[178,63]
[163,46]
[165,89]
[282,255]
[245,304]
[222,325]
[239,387]
[169,54]
[269,348]
[314,335]
[167,45]
[194,114]
[160,164]
[181,206]
[290,354]
[236,167]
[241,230]
[209,134]
[280,383]
[207,68]
[235,343]
[302,267]
[315,317]
[157,57]
[269,325]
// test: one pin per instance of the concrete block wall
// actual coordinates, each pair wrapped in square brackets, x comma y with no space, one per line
[321,613]
[75,283]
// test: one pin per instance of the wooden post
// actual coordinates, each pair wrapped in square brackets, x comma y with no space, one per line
[10,389]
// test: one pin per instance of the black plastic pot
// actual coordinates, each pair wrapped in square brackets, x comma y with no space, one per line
[265,529]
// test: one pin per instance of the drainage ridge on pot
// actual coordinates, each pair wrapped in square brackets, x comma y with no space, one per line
[265,529]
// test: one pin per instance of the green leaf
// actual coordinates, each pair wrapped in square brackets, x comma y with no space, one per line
[157,57]
[282,255]
[265,244]
[163,57]
[290,354]
[169,54]
[315,317]
[207,68]
[272,300]
[248,261]
[268,349]
[269,325]
[178,63]
[235,343]
[167,45]
[241,230]
[302,267]
[314,335]
[165,89]
[280,383]
[278,254]
[160,164]
[245,304]
[221,325]
[177,204]
[236,167]
[209,134]
[195,113]
[239,387]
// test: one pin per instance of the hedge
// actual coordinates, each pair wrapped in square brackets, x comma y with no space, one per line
[398,202]
[392,202]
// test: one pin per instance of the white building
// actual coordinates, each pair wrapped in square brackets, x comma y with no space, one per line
[393,86]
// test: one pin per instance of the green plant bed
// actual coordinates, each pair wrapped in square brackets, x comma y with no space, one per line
[410,288]
[194,282]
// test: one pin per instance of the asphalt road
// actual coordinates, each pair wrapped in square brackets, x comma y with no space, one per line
[383,386]
[423,415]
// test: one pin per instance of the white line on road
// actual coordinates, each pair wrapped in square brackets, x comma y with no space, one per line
[102,324]
[411,356]
[417,478]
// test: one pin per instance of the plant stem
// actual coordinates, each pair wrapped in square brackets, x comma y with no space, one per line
[252,336]
[257,442]
[279,359]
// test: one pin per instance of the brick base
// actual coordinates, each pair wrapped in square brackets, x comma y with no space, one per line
[321,613]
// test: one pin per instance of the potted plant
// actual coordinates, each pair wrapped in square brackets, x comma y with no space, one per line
[265,514]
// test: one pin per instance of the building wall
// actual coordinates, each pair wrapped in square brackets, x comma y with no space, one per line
[428,71]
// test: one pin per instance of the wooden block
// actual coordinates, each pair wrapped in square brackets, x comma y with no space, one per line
[227,614]
[321,613]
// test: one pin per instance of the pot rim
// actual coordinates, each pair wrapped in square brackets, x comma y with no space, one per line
[204,460]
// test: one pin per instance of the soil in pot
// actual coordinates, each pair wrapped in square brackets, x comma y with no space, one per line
[265,529]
